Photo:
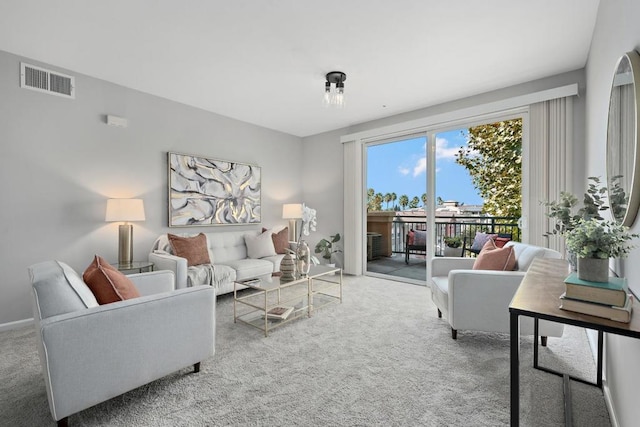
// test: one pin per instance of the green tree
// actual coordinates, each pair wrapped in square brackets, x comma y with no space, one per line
[414,202]
[403,201]
[424,199]
[493,157]
[377,201]
[371,199]
[439,201]
[387,199]
[394,197]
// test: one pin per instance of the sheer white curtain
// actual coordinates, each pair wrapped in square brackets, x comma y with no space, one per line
[353,207]
[550,164]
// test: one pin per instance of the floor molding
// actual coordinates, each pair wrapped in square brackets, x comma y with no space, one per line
[15,325]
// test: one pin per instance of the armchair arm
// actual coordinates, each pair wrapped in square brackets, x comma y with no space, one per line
[479,299]
[92,355]
[166,261]
[441,266]
[154,282]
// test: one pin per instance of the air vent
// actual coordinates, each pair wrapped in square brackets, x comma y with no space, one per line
[43,80]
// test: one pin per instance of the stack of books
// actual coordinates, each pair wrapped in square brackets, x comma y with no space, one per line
[610,300]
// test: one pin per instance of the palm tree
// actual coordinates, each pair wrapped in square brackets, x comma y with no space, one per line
[387,199]
[394,197]
[440,201]
[403,201]
[424,199]
[414,202]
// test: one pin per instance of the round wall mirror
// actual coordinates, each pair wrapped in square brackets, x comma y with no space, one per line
[623,164]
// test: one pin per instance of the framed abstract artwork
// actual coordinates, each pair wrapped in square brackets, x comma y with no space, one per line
[206,191]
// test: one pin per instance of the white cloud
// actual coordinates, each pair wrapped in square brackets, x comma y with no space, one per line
[403,171]
[420,167]
[443,151]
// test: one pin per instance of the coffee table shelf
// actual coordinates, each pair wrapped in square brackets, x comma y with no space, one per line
[322,286]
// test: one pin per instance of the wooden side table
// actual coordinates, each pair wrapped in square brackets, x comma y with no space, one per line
[538,297]
[134,267]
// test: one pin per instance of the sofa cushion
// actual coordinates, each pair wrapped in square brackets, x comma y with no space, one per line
[194,249]
[492,257]
[58,290]
[107,283]
[417,238]
[259,246]
[481,239]
[525,254]
[440,290]
[280,239]
[249,268]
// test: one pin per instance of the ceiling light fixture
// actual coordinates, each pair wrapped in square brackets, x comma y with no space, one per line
[335,97]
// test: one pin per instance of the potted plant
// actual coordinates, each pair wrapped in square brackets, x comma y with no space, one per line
[453,246]
[566,219]
[326,247]
[594,242]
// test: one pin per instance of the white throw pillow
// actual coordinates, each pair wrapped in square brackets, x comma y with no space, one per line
[259,246]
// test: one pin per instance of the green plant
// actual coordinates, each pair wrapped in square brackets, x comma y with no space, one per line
[325,246]
[453,241]
[593,238]
[594,202]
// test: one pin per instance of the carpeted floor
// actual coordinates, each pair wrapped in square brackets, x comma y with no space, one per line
[380,358]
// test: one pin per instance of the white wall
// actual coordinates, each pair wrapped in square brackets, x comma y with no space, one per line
[60,163]
[617,31]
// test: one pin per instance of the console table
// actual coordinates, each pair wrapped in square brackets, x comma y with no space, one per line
[539,297]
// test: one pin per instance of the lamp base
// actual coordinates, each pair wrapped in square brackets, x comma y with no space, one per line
[293,230]
[125,244]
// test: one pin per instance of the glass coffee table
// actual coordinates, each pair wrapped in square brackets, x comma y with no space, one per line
[268,305]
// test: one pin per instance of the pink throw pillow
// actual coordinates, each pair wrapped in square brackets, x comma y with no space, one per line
[492,257]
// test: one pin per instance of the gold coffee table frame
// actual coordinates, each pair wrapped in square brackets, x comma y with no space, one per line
[322,286]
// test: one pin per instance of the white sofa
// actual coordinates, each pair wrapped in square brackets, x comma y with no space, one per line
[478,300]
[91,353]
[229,259]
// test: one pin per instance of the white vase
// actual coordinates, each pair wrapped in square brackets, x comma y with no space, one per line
[454,252]
[593,269]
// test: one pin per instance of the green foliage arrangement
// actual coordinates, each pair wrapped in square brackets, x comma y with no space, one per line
[593,202]
[453,241]
[594,238]
[325,247]
[586,232]
[493,158]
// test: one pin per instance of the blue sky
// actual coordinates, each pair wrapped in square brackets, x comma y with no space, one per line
[400,167]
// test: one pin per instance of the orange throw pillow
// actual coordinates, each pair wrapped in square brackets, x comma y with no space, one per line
[194,249]
[107,283]
[492,257]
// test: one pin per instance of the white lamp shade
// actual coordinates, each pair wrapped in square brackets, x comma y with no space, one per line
[125,210]
[292,211]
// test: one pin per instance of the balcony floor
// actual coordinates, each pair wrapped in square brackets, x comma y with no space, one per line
[396,267]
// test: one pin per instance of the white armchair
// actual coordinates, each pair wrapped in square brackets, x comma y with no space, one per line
[91,353]
[478,300]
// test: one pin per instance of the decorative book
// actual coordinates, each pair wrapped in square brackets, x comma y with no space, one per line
[279,313]
[613,292]
[611,312]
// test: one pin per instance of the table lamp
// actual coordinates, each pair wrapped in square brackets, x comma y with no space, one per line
[292,212]
[125,210]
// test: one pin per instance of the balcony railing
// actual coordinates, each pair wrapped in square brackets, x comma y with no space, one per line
[463,226]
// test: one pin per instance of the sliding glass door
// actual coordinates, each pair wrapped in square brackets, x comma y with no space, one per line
[429,194]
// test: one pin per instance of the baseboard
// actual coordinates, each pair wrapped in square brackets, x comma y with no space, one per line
[15,325]
[592,337]
[608,402]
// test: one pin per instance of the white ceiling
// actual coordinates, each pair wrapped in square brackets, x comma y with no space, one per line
[264,61]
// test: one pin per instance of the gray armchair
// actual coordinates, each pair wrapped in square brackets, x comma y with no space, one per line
[91,353]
